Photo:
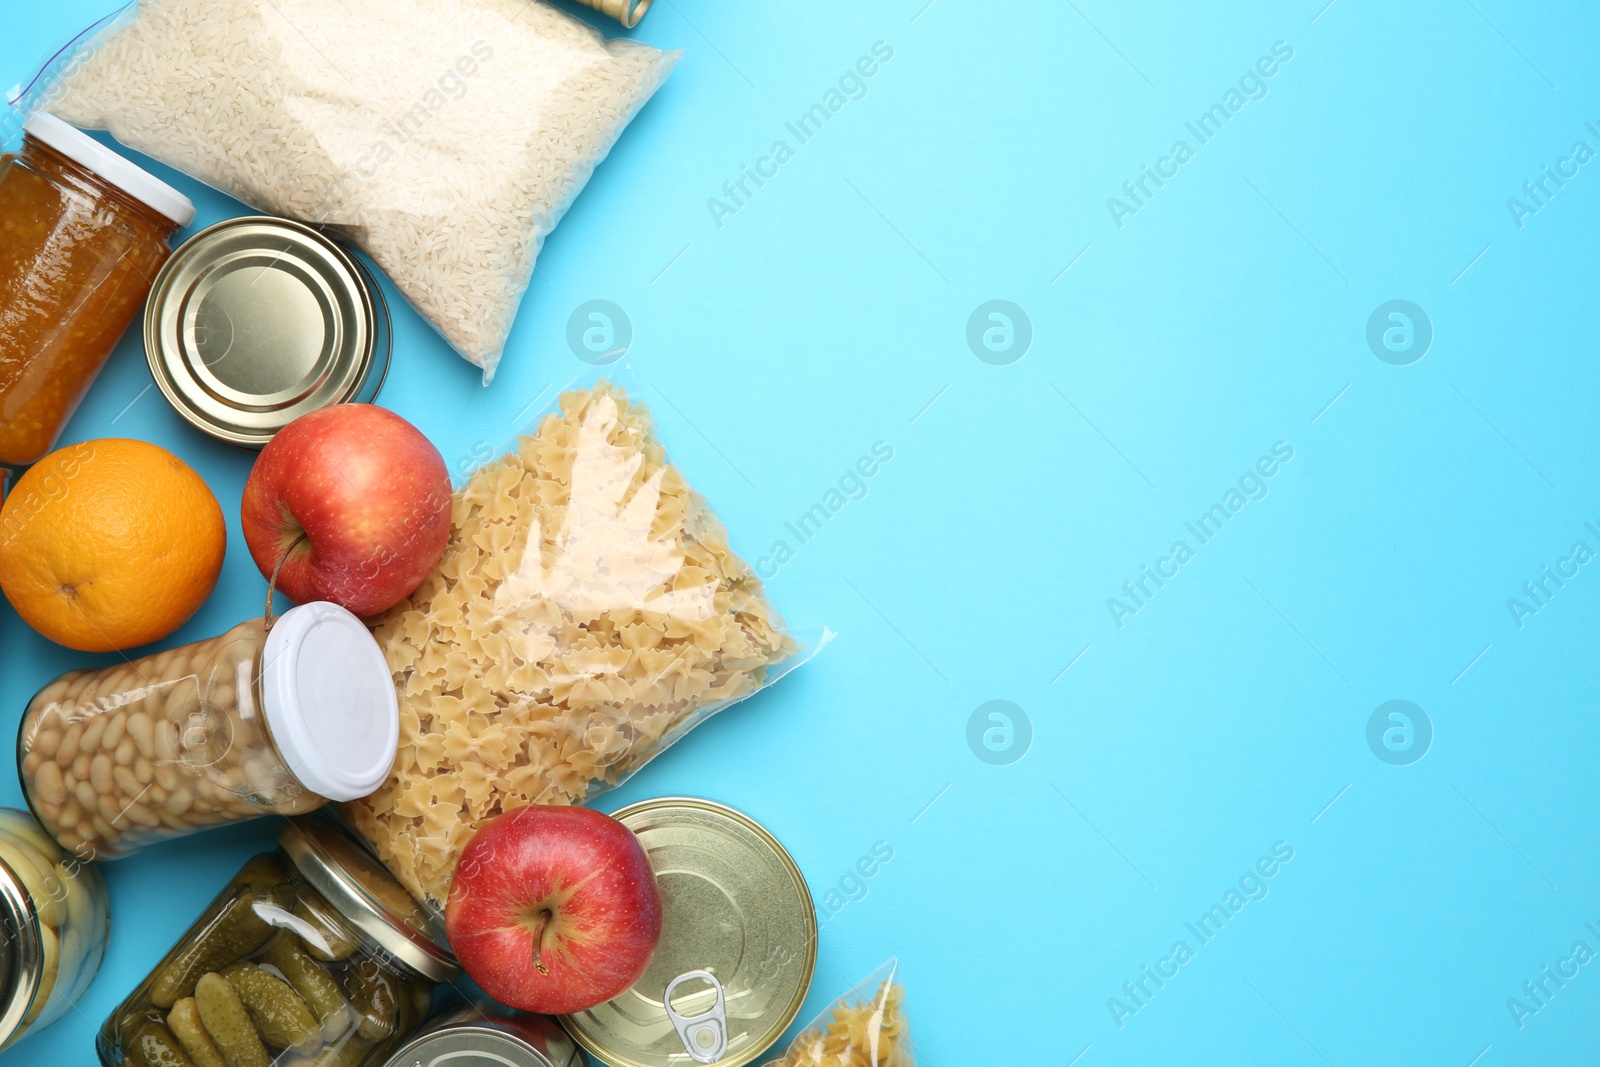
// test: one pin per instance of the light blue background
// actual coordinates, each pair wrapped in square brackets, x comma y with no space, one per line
[1226,315]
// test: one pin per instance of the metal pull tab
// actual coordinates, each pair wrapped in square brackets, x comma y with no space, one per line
[705,1036]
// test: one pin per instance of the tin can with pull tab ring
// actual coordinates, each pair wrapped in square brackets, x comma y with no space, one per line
[738,944]
[705,1037]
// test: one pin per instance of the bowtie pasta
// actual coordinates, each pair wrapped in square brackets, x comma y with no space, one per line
[865,1028]
[586,614]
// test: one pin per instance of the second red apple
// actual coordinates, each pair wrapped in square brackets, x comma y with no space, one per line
[554,909]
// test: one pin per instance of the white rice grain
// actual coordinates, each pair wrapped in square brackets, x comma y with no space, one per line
[361,115]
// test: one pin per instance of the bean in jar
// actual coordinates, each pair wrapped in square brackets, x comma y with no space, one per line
[54,920]
[256,721]
[312,955]
[83,233]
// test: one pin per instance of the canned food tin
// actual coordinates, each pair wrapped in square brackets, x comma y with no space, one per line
[469,1038]
[627,12]
[255,321]
[738,944]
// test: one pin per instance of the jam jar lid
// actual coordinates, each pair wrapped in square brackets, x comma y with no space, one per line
[353,881]
[123,173]
[21,953]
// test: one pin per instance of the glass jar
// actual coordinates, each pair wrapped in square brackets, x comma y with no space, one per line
[478,1035]
[257,721]
[312,955]
[627,12]
[82,234]
[54,920]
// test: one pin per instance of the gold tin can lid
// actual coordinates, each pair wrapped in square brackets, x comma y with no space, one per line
[256,321]
[21,954]
[627,12]
[736,909]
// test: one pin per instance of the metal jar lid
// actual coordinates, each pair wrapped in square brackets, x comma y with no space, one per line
[468,1038]
[21,953]
[256,321]
[367,896]
[627,12]
[739,930]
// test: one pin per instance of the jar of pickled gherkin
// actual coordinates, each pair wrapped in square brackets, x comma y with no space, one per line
[313,955]
[54,921]
[265,719]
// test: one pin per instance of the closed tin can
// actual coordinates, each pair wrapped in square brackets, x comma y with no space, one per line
[256,321]
[737,951]
[627,12]
[469,1037]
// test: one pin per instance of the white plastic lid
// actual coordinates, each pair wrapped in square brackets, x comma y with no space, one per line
[330,701]
[139,184]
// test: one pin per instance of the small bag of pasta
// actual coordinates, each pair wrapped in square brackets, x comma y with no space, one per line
[866,1027]
[587,613]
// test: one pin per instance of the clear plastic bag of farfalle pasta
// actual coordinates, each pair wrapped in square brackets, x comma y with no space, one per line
[588,612]
[866,1027]
[446,138]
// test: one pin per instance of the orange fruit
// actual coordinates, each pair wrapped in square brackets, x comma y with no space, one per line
[109,544]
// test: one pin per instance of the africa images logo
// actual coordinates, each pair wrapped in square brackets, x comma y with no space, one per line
[737,192]
[1252,85]
[1251,886]
[1399,733]
[1252,485]
[1399,332]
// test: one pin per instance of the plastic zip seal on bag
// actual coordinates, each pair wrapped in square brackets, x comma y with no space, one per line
[61,64]
[445,138]
[587,613]
[866,1027]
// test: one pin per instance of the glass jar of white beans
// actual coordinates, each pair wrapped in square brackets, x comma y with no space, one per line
[257,721]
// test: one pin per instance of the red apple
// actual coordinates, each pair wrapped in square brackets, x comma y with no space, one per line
[369,494]
[554,909]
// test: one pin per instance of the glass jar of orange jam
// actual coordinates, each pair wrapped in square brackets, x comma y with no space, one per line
[83,232]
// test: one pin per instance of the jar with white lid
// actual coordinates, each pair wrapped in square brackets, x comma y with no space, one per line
[266,719]
[53,925]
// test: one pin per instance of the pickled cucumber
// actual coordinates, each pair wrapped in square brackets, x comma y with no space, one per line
[235,933]
[154,1046]
[326,941]
[280,1015]
[228,1023]
[184,1022]
[262,872]
[421,1000]
[374,996]
[312,982]
[351,1053]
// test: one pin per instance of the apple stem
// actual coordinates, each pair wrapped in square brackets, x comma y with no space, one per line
[543,922]
[272,583]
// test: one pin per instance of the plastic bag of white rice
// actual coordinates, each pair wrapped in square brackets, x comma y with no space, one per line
[446,138]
